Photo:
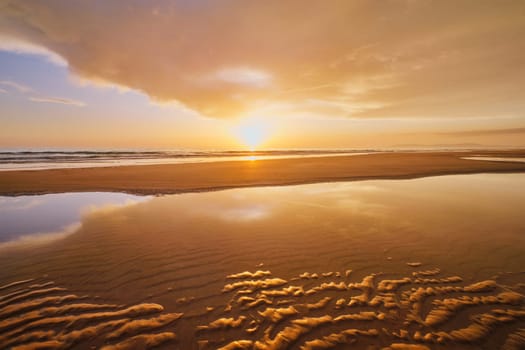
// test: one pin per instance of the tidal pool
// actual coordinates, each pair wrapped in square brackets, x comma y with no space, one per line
[46,217]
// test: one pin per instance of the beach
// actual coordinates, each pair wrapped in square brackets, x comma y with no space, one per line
[262,175]
[178,178]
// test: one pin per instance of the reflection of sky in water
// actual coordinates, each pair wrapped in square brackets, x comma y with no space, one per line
[253,212]
[52,213]
[432,206]
[435,206]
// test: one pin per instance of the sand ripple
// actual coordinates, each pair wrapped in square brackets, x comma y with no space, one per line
[36,317]
[410,312]
[333,310]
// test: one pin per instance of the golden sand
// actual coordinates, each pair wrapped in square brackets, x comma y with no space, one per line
[28,322]
[175,273]
[176,178]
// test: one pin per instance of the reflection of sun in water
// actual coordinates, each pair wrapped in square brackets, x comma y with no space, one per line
[252,132]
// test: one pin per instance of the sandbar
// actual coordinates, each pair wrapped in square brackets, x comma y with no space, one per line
[192,177]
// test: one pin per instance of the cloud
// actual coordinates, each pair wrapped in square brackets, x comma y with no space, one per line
[16,86]
[13,45]
[65,101]
[43,99]
[347,58]
[2,91]
[243,76]
[488,132]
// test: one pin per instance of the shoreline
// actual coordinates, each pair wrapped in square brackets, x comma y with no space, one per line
[201,177]
[166,161]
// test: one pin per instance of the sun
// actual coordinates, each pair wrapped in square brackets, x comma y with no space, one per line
[252,132]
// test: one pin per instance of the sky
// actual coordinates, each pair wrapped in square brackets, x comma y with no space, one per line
[238,74]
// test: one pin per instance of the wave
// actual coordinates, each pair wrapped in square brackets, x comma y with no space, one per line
[50,159]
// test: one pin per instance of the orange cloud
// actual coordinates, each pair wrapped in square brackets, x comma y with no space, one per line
[350,58]
[488,132]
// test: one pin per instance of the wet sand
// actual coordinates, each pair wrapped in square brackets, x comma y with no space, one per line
[177,178]
[431,263]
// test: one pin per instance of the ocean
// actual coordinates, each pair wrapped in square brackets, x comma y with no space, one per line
[60,159]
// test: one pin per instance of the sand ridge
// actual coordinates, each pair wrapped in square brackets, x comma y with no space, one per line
[266,312]
[401,308]
[27,321]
